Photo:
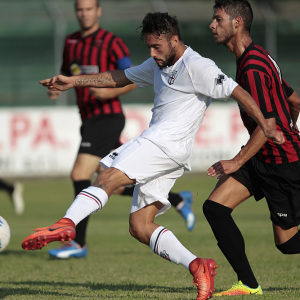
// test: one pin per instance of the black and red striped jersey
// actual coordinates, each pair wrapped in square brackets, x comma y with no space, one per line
[259,74]
[99,52]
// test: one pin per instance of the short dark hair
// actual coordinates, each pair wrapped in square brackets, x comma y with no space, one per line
[235,8]
[96,1]
[160,23]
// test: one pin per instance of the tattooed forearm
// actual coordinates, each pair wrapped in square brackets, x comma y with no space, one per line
[97,80]
[103,186]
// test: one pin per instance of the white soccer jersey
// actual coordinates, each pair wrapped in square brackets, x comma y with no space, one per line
[183,92]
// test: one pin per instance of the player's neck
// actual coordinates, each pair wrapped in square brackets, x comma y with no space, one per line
[182,47]
[86,32]
[239,44]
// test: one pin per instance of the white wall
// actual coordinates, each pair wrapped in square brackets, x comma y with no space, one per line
[44,141]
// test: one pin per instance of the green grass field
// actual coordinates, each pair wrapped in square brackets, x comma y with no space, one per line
[117,266]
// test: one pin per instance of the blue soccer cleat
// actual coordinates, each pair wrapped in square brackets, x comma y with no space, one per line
[186,211]
[69,250]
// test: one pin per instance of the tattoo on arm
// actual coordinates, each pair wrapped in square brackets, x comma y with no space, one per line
[97,80]
[103,186]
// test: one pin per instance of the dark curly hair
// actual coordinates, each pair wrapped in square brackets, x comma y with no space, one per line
[160,23]
[235,8]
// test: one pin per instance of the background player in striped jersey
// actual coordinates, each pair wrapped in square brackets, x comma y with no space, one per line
[262,168]
[91,50]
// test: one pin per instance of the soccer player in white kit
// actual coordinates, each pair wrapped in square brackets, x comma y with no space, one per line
[184,84]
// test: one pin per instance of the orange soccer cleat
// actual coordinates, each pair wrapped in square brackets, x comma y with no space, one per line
[63,230]
[203,271]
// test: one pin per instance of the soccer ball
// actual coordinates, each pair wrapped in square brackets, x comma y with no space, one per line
[4,234]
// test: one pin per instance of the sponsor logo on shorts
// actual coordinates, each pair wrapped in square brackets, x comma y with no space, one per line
[86,144]
[113,155]
[282,215]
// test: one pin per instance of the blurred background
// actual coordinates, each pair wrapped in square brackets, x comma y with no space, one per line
[32,35]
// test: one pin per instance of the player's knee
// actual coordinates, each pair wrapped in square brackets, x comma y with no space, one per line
[136,231]
[113,178]
[139,230]
[213,209]
[108,181]
[292,246]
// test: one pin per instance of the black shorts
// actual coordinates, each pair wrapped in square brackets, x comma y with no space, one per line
[101,134]
[279,184]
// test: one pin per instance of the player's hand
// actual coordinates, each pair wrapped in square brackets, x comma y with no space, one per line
[276,136]
[222,168]
[53,94]
[103,93]
[58,83]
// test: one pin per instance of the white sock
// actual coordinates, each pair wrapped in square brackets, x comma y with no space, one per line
[165,244]
[86,202]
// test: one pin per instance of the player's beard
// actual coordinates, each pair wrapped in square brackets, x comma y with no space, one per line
[227,37]
[169,58]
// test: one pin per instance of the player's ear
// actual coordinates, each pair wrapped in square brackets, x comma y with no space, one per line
[174,40]
[99,11]
[238,21]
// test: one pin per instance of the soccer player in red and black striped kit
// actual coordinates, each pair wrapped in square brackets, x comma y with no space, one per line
[92,50]
[261,168]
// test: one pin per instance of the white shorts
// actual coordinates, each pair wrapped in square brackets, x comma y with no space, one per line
[155,173]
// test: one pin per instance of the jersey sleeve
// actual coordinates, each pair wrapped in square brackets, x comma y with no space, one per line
[142,75]
[258,85]
[209,80]
[288,90]
[119,54]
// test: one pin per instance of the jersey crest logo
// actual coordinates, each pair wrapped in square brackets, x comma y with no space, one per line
[220,79]
[172,78]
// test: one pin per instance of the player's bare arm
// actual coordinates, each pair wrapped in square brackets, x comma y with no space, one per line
[109,79]
[294,103]
[109,93]
[249,105]
[256,141]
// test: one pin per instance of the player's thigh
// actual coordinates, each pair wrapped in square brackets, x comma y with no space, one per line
[112,179]
[229,192]
[141,160]
[85,166]
[156,189]
[282,235]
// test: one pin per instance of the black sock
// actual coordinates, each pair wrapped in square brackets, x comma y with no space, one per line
[6,186]
[128,191]
[230,240]
[174,199]
[292,246]
[82,226]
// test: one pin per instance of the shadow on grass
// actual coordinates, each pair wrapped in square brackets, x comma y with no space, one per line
[130,287]
[15,291]
[15,252]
